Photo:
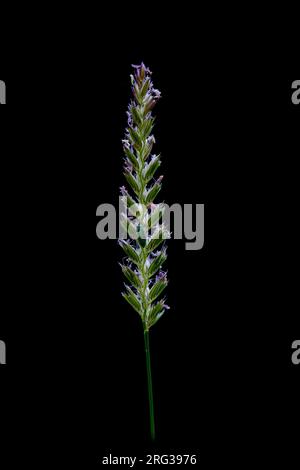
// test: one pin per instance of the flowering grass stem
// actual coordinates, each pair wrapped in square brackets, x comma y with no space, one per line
[145,250]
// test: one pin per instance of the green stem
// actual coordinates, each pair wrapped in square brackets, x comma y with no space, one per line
[150,390]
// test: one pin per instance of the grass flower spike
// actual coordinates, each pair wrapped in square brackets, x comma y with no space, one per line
[144,248]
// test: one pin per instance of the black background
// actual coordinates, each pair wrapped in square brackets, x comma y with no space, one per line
[75,382]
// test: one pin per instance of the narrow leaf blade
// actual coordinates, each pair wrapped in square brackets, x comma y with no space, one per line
[132,182]
[152,193]
[130,252]
[151,168]
[157,289]
[132,300]
[157,263]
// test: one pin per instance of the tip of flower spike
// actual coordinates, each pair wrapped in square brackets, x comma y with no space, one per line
[141,71]
[141,66]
